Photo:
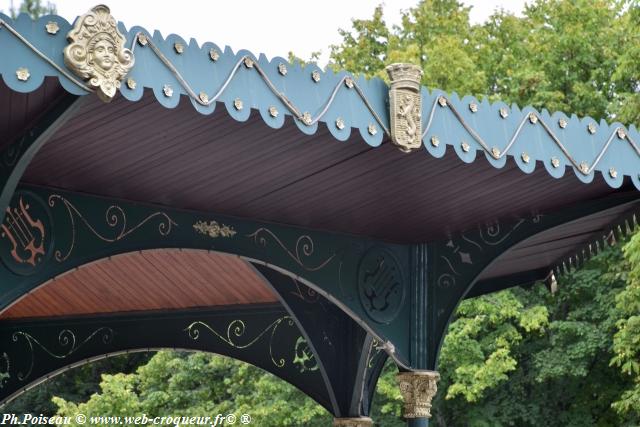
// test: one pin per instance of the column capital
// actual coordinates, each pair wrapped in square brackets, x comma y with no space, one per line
[353,422]
[417,389]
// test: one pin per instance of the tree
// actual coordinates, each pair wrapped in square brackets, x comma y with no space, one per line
[34,8]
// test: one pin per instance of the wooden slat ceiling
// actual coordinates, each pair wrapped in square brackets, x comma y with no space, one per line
[150,280]
[177,157]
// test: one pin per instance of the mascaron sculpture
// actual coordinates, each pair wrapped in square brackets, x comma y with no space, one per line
[97,52]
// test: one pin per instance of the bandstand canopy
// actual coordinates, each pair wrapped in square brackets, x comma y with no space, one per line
[198,129]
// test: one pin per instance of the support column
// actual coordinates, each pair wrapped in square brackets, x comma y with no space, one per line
[417,389]
[353,422]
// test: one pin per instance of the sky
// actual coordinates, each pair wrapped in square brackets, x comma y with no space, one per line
[271,27]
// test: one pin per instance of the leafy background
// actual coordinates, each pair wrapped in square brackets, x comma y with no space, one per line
[521,357]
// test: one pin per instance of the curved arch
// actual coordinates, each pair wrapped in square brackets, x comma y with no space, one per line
[621,208]
[36,382]
[263,335]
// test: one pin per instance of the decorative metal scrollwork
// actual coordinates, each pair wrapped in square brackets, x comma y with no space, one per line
[236,330]
[304,248]
[66,340]
[116,219]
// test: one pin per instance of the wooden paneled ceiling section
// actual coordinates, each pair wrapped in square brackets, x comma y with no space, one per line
[178,157]
[149,280]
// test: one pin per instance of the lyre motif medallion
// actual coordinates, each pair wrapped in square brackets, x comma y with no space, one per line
[405,105]
[97,52]
[25,234]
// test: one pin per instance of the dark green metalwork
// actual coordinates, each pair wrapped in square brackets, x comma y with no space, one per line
[340,345]
[17,155]
[263,335]
[84,229]
[459,261]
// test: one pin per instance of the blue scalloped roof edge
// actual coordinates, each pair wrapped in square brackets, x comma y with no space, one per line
[205,75]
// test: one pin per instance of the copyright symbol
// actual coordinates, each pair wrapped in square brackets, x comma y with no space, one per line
[231,419]
[81,419]
[245,419]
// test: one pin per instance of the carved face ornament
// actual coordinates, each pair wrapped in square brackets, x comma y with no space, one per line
[97,52]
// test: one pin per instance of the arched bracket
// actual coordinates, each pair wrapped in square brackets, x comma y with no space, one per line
[49,233]
[17,155]
[341,347]
[457,263]
[263,335]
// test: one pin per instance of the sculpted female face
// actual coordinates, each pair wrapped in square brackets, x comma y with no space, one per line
[104,54]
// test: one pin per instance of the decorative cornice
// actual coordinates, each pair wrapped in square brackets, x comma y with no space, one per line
[353,422]
[208,75]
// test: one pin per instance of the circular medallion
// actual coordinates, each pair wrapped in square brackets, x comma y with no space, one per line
[26,239]
[380,285]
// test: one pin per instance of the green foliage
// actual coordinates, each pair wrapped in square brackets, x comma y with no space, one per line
[515,358]
[199,384]
[34,8]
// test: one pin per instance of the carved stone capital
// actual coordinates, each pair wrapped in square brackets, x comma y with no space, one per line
[405,103]
[417,389]
[353,422]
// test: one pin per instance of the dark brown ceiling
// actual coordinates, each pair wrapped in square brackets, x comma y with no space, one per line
[177,157]
[150,280]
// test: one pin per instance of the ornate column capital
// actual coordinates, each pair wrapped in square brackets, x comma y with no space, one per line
[353,422]
[417,389]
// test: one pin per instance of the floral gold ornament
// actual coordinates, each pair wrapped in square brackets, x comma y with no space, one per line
[131,84]
[282,69]
[142,39]
[405,103]
[465,147]
[214,55]
[442,101]
[315,76]
[273,111]
[555,162]
[621,133]
[504,113]
[495,152]
[533,118]
[562,123]
[97,52]
[525,157]
[435,141]
[213,229]
[340,123]
[372,129]
[167,90]
[473,107]
[306,118]
[613,173]
[238,104]
[52,27]
[248,62]
[584,167]
[591,127]
[348,82]
[23,74]
[178,47]
[203,97]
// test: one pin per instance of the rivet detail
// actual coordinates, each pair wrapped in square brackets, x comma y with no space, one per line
[52,27]
[23,74]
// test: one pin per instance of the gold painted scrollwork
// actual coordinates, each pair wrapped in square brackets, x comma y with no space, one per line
[97,53]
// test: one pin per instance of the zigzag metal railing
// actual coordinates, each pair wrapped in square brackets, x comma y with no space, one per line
[48,60]
[348,82]
[250,62]
[533,118]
